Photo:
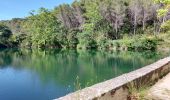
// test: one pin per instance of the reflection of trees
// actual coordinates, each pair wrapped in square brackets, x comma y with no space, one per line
[6,57]
[64,66]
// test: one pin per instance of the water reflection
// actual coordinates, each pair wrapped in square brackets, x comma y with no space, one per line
[72,69]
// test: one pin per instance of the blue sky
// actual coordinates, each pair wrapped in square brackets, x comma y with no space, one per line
[21,8]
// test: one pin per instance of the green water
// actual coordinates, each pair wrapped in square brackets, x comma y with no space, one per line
[45,75]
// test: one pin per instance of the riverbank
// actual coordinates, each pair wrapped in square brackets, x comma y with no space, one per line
[141,42]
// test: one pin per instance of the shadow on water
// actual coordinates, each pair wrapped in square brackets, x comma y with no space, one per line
[76,69]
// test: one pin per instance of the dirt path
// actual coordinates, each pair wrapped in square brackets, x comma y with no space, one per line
[161,90]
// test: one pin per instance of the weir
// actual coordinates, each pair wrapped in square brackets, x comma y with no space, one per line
[118,88]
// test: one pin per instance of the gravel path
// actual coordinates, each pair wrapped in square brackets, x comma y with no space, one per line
[161,90]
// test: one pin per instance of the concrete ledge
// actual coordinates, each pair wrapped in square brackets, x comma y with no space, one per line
[118,88]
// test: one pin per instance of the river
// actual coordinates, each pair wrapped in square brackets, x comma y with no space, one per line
[50,74]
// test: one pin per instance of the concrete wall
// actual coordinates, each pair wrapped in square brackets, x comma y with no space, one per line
[118,88]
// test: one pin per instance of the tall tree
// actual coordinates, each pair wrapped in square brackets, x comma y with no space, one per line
[135,13]
[92,14]
[146,12]
[44,29]
[163,13]
[78,8]
[66,15]
[114,12]
[5,34]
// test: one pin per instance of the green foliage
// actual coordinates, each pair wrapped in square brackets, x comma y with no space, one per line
[166,26]
[163,12]
[90,24]
[103,43]
[26,43]
[143,44]
[5,34]
[15,25]
[92,14]
[86,41]
[44,28]
[138,43]
[16,40]
[72,39]
[163,1]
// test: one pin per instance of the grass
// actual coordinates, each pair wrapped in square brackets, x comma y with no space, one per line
[139,94]
[138,90]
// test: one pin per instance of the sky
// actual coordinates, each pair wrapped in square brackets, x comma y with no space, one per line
[20,8]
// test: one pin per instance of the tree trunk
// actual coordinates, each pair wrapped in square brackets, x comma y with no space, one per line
[143,21]
[143,25]
[154,27]
[134,31]
[116,29]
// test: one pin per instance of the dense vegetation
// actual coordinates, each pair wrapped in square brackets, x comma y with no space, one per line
[94,24]
[5,34]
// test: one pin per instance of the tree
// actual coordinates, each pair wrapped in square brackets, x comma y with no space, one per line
[114,12]
[146,12]
[78,8]
[5,34]
[89,22]
[44,29]
[72,39]
[66,14]
[135,13]
[163,13]
[153,17]
[92,14]
[86,41]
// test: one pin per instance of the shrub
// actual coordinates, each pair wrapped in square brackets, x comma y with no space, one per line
[103,42]
[86,41]
[72,39]
[5,34]
[143,44]
[135,44]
